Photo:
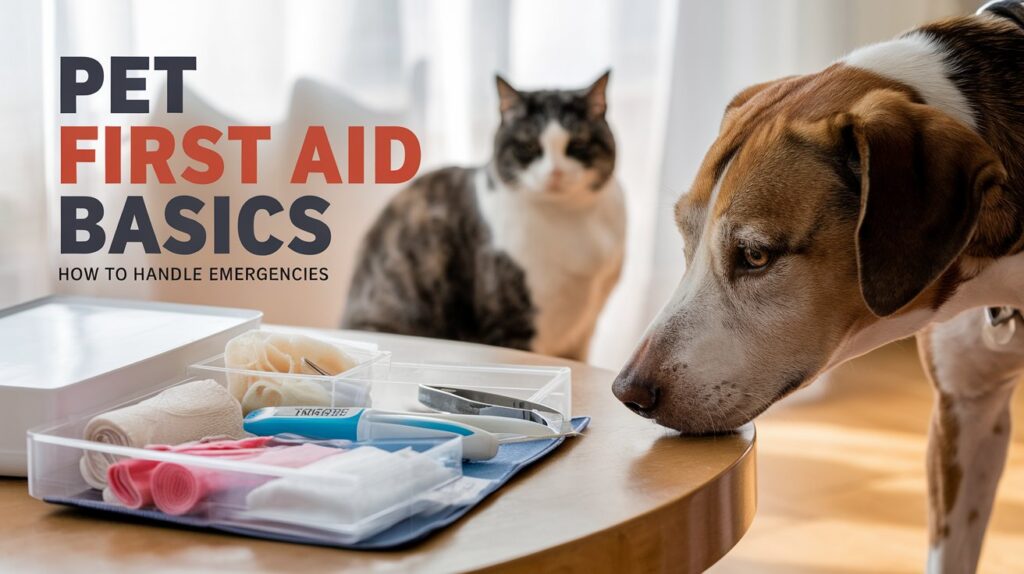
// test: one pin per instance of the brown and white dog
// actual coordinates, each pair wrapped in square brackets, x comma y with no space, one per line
[841,210]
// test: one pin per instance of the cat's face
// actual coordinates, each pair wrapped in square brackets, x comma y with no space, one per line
[554,143]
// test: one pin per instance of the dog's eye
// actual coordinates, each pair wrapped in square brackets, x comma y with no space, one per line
[754,257]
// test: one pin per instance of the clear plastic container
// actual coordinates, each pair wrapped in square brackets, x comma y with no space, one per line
[359,504]
[350,388]
[549,386]
[61,356]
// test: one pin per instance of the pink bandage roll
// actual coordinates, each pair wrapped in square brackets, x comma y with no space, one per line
[130,479]
[179,489]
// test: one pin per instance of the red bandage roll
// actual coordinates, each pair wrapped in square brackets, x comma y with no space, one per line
[131,479]
[180,489]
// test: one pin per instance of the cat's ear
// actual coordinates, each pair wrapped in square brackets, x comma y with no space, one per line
[597,103]
[508,97]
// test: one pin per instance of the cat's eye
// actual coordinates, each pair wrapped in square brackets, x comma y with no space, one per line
[577,148]
[754,257]
[526,151]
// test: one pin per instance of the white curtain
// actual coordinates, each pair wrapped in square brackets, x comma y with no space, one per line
[430,65]
[24,255]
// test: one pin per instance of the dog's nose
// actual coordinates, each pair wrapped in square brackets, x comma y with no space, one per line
[639,395]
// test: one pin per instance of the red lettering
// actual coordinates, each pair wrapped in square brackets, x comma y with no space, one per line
[356,154]
[70,154]
[205,155]
[250,137]
[316,156]
[383,136]
[158,157]
[112,154]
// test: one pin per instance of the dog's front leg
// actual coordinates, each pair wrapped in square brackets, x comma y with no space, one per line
[970,432]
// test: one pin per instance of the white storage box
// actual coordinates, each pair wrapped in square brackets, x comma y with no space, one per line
[65,356]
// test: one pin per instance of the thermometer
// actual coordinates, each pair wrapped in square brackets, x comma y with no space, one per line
[358,424]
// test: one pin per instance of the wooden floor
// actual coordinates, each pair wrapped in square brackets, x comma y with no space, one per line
[841,478]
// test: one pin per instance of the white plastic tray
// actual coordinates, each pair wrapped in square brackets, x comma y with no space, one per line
[63,356]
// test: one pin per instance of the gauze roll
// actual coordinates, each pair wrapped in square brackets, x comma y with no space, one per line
[269,352]
[183,413]
[295,392]
[349,487]
[275,392]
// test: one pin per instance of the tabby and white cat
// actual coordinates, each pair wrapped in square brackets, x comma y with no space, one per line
[521,252]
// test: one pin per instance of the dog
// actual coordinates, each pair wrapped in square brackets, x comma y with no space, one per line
[838,211]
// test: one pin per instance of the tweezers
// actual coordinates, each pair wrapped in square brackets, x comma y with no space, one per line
[313,366]
[473,402]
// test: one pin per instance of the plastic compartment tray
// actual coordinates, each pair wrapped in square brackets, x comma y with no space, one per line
[350,388]
[54,453]
[550,386]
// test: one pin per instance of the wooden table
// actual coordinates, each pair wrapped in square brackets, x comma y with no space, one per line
[628,495]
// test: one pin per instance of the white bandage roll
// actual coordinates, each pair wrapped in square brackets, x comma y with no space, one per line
[180,414]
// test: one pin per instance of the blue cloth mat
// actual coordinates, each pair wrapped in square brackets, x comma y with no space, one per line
[510,460]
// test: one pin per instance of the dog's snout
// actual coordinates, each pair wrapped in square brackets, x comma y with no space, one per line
[639,395]
[636,390]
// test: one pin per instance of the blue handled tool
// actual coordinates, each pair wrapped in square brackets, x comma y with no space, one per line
[357,424]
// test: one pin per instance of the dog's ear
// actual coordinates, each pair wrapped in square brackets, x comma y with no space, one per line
[746,94]
[923,177]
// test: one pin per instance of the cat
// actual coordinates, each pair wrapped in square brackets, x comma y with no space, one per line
[521,252]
